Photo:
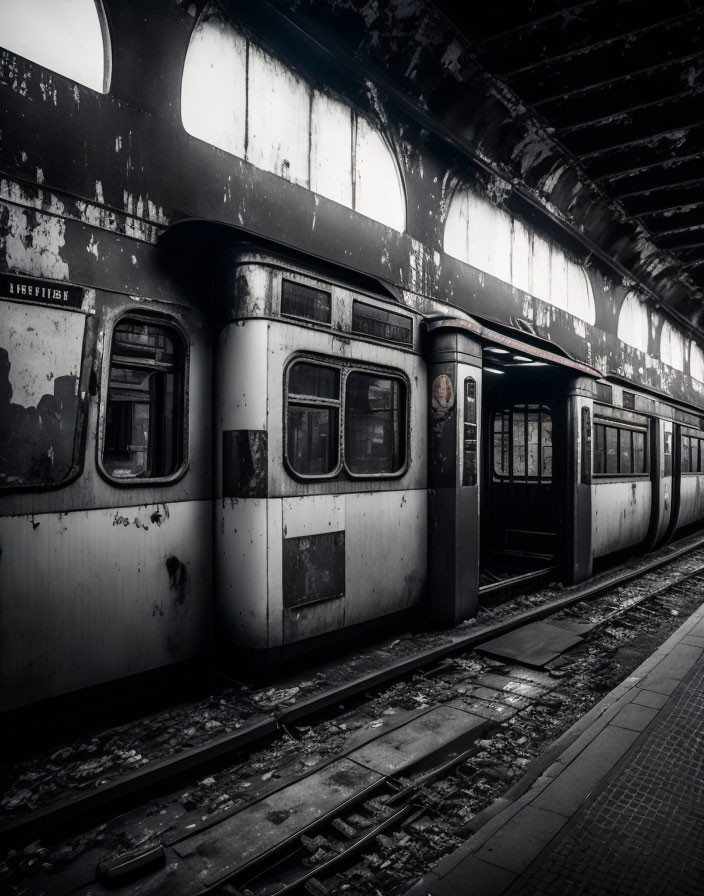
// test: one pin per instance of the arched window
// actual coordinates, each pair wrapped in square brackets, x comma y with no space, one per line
[488,238]
[69,37]
[633,323]
[237,97]
[696,363]
[671,347]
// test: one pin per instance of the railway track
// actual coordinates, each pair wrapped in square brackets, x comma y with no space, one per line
[379,792]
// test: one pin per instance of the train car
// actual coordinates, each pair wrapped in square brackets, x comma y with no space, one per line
[320,456]
[279,362]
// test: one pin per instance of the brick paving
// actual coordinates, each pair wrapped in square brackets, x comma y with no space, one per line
[642,831]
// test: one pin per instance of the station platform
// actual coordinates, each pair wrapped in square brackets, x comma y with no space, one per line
[615,806]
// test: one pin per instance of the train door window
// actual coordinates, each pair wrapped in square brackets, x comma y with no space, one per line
[523,443]
[625,451]
[667,453]
[639,455]
[469,461]
[144,417]
[374,423]
[686,457]
[611,450]
[312,427]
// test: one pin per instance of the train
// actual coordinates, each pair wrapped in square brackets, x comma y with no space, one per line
[246,412]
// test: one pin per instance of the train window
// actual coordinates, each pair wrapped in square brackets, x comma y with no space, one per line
[686,457]
[374,424]
[144,416]
[619,451]
[639,455]
[70,38]
[611,450]
[523,443]
[692,455]
[469,465]
[312,439]
[332,404]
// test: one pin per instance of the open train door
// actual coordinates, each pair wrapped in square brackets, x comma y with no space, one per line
[536,485]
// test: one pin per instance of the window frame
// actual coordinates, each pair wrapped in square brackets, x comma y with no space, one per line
[181,401]
[507,443]
[345,368]
[698,439]
[601,425]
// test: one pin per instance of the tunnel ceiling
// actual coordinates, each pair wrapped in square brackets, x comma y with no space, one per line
[591,110]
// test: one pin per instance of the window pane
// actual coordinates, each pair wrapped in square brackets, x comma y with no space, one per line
[532,449]
[685,455]
[469,471]
[311,440]
[501,443]
[624,444]
[599,448]
[144,413]
[518,465]
[639,453]
[611,449]
[374,424]
[546,448]
[314,380]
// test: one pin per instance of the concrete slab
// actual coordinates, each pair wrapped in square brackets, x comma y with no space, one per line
[488,709]
[217,850]
[508,685]
[533,645]
[500,697]
[444,729]
[570,788]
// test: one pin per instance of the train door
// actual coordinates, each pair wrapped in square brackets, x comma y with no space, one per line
[536,511]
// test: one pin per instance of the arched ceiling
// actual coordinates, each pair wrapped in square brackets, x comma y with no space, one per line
[593,112]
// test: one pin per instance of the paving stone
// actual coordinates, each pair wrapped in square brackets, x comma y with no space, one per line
[634,717]
[650,698]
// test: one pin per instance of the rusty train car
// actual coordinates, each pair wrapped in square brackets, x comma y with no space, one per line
[276,363]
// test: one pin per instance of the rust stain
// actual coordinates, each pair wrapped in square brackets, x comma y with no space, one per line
[178,578]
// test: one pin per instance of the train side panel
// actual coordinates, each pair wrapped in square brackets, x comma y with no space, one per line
[621,515]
